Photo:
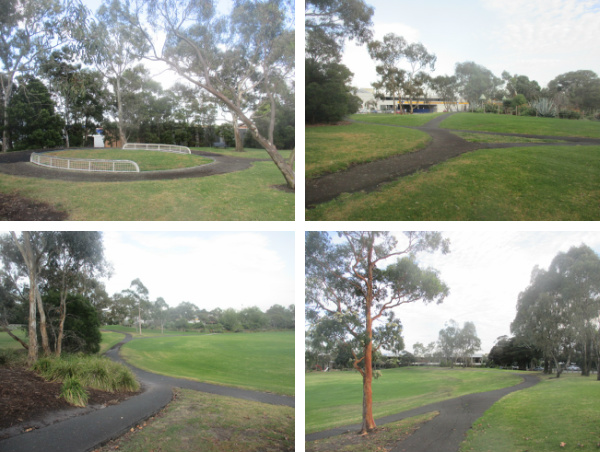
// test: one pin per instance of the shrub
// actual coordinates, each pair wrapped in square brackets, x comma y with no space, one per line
[73,392]
[569,114]
[92,371]
[544,107]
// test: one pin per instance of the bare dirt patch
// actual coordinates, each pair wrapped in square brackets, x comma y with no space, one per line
[28,402]
[16,208]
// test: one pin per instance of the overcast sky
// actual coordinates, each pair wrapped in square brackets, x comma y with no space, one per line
[485,272]
[209,269]
[537,38]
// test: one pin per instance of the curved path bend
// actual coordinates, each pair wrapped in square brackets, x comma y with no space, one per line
[89,431]
[445,432]
[17,164]
[443,146]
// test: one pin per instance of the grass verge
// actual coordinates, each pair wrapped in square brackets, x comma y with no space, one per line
[246,195]
[257,361]
[335,148]
[146,160]
[197,421]
[91,371]
[556,414]
[335,399]
[542,183]
[522,124]
[484,138]
[109,339]
[416,120]
[384,439]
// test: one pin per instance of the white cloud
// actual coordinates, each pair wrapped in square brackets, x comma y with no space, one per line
[208,269]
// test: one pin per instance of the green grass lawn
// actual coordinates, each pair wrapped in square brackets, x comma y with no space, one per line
[146,160]
[109,339]
[522,124]
[415,120]
[335,148]
[7,342]
[554,412]
[245,195]
[541,183]
[148,332]
[196,421]
[258,361]
[484,138]
[335,398]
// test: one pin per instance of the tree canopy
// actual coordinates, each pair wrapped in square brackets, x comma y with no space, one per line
[353,286]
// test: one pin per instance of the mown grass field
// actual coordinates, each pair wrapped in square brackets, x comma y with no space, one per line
[556,414]
[484,138]
[415,120]
[537,184]
[330,149]
[248,195]
[335,398]
[109,339]
[196,421]
[522,124]
[146,160]
[7,342]
[257,361]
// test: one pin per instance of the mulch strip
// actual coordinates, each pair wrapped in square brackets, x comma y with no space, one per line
[27,401]
[16,208]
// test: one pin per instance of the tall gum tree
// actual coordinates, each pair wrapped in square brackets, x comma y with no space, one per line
[29,30]
[353,283]
[196,47]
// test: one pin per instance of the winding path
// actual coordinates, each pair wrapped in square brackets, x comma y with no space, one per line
[87,432]
[445,432]
[17,164]
[444,146]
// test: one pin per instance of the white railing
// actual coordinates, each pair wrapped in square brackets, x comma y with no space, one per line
[93,165]
[158,147]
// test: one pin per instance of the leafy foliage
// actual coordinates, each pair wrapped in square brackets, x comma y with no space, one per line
[544,107]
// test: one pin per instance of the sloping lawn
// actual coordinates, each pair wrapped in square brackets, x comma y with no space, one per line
[557,414]
[258,361]
[245,195]
[537,184]
[415,120]
[522,124]
[334,399]
[335,148]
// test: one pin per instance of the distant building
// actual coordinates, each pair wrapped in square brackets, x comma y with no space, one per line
[429,104]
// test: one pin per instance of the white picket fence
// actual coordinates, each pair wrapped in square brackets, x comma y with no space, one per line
[158,147]
[92,165]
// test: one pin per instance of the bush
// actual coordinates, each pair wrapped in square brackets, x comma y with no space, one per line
[544,107]
[91,371]
[569,114]
[73,392]
[526,111]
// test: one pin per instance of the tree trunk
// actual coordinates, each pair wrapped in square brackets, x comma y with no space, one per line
[61,325]
[120,111]
[32,352]
[239,144]
[368,423]
[43,324]
[5,327]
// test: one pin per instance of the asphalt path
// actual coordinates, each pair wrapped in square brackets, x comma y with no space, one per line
[18,164]
[445,432]
[89,431]
[444,145]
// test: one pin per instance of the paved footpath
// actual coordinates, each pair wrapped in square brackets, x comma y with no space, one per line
[444,145]
[445,432]
[88,432]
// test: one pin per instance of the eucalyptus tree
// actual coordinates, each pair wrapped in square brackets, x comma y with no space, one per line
[353,286]
[419,59]
[474,80]
[73,257]
[446,88]
[29,30]
[328,23]
[139,295]
[388,52]
[581,89]
[113,46]
[197,46]
[560,307]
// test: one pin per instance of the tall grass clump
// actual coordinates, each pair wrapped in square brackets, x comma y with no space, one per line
[92,371]
[73,392]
